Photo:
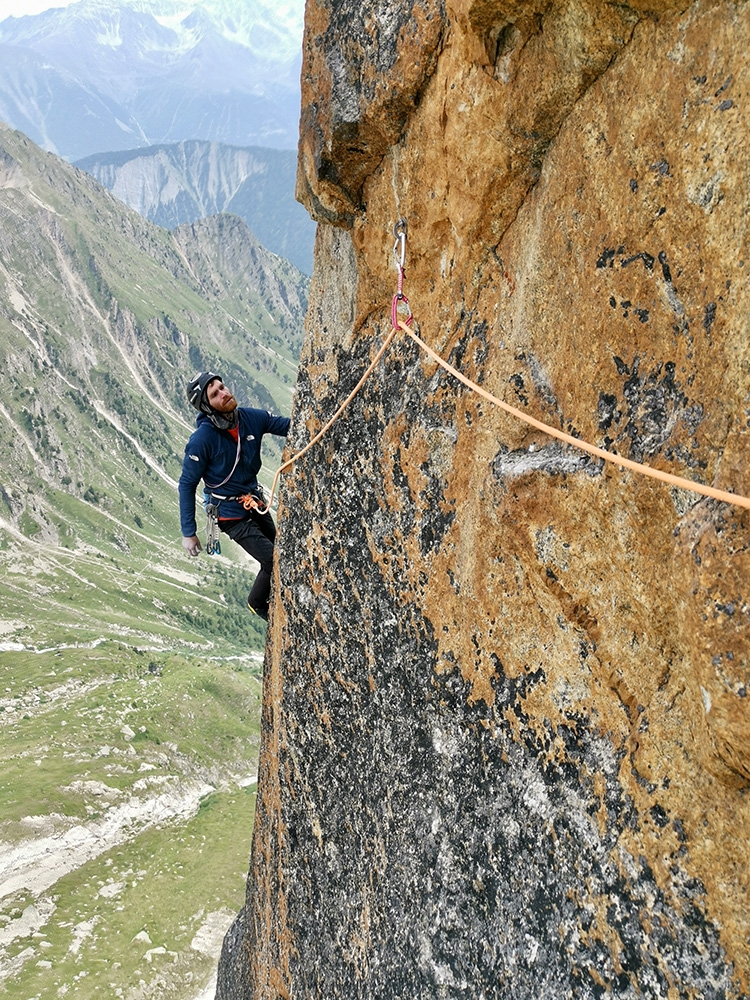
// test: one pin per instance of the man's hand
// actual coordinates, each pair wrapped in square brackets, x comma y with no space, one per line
[191,545]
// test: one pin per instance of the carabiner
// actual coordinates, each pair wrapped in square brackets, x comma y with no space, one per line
[399,231]
[400,301]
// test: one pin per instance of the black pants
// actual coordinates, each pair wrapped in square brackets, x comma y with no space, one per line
[256,534]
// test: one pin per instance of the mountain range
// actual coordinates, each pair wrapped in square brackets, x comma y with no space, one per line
[181,182]
[101,76]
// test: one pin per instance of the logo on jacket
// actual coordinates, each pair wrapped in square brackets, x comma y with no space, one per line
[250,437]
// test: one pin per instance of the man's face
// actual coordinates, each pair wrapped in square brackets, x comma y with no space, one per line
[219,397]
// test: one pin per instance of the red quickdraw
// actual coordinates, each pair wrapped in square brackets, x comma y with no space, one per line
[400,301]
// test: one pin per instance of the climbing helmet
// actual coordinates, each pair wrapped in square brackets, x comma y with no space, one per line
[196,390]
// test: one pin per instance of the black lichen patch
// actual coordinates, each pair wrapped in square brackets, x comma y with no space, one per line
[607,256]
[661,168]
[519,387]
[610,258]
[608,411]
[471,350]
[709,315]
[652,404]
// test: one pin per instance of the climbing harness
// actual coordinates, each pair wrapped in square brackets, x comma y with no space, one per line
[211,502]
[400,304]
[256,499]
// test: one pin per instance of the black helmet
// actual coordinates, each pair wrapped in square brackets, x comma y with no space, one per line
[196,390]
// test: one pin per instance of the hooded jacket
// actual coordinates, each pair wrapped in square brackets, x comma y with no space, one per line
[210,455]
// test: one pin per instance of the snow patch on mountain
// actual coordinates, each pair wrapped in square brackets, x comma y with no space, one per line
[110,36]
[273,31]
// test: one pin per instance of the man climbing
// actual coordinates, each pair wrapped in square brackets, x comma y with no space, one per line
[224,451]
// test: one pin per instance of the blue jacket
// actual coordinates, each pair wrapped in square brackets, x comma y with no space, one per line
[210,455]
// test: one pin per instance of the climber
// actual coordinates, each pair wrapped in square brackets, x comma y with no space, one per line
[224,451]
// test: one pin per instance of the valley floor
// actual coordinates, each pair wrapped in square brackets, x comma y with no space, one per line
[127,802]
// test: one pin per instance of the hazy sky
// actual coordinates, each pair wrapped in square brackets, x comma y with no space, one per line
[17,8]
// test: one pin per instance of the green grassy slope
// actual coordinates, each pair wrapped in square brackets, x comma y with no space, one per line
[127,798]
[103,318]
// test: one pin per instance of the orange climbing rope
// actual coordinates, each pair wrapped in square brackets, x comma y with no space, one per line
[401,304]
[592,449]
[249,501]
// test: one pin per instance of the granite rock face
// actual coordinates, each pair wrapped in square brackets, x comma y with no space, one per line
[506,745]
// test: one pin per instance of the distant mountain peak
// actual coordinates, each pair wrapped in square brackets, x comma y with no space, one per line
[170,70]
[267,29]
[181,182]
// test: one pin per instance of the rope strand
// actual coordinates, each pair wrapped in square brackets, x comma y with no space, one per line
[735,499]
[607,456]
[326,427]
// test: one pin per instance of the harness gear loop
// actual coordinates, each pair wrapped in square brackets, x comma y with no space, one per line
[213,545]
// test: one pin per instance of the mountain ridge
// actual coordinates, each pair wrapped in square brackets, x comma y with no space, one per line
[92,77]
[181,182]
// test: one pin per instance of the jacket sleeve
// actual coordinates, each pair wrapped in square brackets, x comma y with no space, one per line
[277,425]
[193,466]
